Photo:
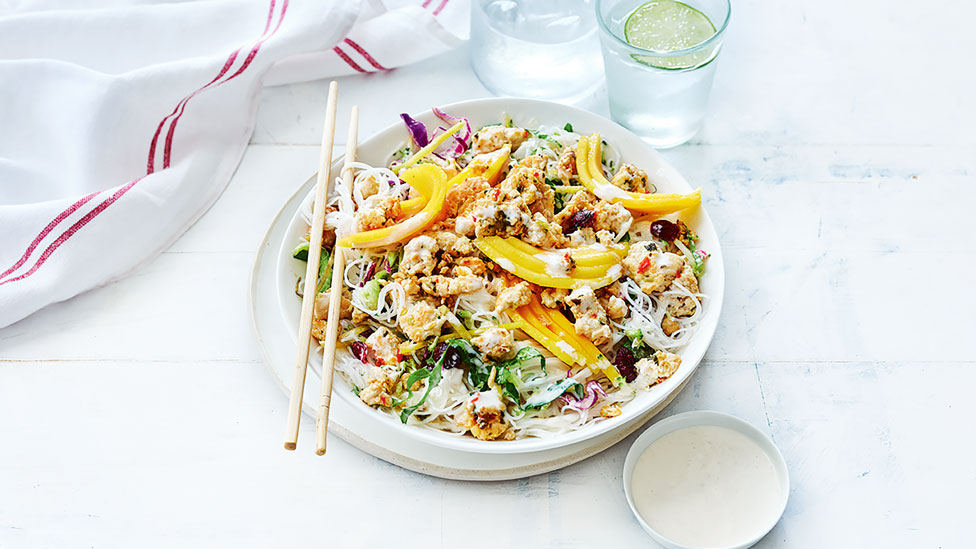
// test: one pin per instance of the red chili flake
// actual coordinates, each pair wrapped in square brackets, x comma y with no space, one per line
[380,361]
[494,196]
[399,357]
[645,264]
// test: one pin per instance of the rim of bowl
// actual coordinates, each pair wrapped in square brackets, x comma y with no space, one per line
[706,331]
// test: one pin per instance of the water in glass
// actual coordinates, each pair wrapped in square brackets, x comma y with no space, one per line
[544,49]
[659,97]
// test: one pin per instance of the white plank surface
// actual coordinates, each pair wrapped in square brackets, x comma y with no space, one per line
[839,164]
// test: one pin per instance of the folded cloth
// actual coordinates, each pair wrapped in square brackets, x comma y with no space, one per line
[121,123]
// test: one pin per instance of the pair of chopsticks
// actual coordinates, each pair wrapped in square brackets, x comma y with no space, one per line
[311,282]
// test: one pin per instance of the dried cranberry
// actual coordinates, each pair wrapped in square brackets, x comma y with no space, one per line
[452,358]
[662,229]
[360,351]
[582,218]
[624,362]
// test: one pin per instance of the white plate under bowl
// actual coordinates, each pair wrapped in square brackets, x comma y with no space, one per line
[529,113]
[277,345]
[695,419]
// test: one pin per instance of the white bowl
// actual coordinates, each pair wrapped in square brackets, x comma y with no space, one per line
[531,113]
[695,419]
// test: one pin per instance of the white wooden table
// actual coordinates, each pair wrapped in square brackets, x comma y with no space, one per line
[838,163]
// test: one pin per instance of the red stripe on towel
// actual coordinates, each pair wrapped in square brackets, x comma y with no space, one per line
[150,163]
[101,207]
[342,55]
[168,147]
[46,231]
[441,7]
[73,229]
[364,53]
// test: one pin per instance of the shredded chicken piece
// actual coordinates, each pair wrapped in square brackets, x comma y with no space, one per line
[368,186]
[669,325]
[606,215]
[536,161]
[461,196]
[653,271]
[378,213]
[566,166]
[473,264]
[630,178]
[321,308]
[420,321]
[554,298]
[443,286]
[493,138]
[380,382]
[495,343]
[680,306]
[418,256]
[544,233]
[652,371]
[513,297]
[453,244]
[385,346]
[484,417]
[591,319]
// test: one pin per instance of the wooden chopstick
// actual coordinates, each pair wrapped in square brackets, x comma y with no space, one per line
[312,270]
[335,298]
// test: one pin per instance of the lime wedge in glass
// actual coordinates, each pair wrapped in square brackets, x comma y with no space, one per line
[667,25]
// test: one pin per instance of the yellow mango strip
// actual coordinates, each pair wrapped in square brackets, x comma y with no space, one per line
[509,254]
[412,206]
[404,229]
[568,188]
[586,256]
[594,357]
[436,142]
[590,170]
[491,172]
[547,340]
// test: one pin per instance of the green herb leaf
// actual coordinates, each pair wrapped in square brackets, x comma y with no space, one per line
[301,252]
[568,127]
[325,276]
[525,354]
[544,397]
[433,377]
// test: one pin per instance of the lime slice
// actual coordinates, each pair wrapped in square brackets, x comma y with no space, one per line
[667,25]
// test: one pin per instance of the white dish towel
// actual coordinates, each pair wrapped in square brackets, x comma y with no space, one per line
[122,121]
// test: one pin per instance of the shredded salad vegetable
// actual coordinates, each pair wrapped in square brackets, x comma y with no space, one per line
[506,282]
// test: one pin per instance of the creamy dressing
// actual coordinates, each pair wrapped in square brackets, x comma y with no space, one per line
[608,192]
[487,399]
[556,264]
[566,348]
[706,486]
[505,263]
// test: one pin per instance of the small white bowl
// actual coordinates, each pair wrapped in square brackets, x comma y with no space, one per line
[695,419]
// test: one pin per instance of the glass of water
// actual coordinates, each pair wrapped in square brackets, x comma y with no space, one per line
[543,49]
[660,58]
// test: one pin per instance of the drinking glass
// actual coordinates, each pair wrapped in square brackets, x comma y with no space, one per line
[543,49]
[659,95]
